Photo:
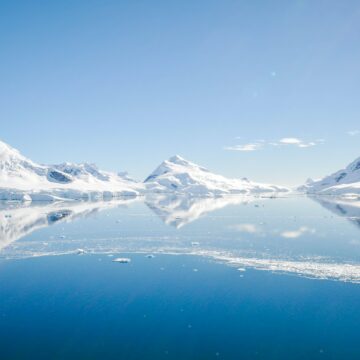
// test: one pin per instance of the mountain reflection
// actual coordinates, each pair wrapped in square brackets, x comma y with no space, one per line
[276,240]
[178,211]
[348,208]
[20,219]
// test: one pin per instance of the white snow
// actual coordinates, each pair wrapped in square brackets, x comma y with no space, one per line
[22,179]
[311,268]
[345,182]
[182,176]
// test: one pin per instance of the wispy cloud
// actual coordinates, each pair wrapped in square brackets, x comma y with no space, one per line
[286,141]
[290,141]
[299,142]
[353,132]
[245,147]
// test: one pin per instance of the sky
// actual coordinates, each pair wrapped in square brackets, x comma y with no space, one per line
[267,90]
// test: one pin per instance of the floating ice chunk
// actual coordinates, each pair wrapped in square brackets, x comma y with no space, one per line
[195,243]
[122,260]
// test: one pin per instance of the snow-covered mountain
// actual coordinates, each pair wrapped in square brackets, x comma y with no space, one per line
[23,179]
[182,176]
[343,182]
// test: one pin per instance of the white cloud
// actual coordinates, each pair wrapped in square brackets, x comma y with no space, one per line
[353,132]
[290,141]
[246,147]
[298,142]
[306,145]
[286,141]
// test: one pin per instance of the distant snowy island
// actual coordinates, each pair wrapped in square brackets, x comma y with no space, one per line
[345,182]
[22,179]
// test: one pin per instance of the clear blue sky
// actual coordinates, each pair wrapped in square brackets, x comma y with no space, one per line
[127,84]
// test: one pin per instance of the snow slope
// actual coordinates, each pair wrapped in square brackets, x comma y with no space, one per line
[23,179]
[182,176]
[344,182]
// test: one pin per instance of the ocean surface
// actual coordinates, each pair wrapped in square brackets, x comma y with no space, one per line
[171,277]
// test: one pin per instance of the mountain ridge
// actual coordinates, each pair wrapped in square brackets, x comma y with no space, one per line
[180,175]
[24,179]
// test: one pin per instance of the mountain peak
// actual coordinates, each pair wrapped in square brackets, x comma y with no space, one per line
[177,159]
[6,151]
[182,176]
[28,180]
[10,155]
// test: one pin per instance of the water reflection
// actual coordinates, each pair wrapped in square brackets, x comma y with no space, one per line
[266,235]
[20,219]
[178,211]
[348,208]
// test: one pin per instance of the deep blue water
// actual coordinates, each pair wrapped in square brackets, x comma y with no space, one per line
[72,307]
[57,302]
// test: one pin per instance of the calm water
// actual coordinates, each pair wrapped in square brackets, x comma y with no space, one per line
[228,278]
